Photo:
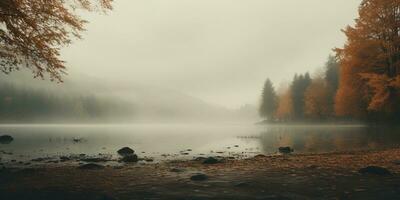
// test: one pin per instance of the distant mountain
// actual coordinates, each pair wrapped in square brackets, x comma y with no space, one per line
[99,100]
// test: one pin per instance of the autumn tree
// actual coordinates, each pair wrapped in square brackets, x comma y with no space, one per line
[268,101]
[370,61]
[33,31]
[317,99]
[284,111]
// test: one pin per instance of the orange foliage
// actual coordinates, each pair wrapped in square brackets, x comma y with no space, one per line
[317,99]
[370,61]
[32,32]
[284,111]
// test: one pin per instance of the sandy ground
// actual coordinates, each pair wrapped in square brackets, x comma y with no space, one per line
[317,176]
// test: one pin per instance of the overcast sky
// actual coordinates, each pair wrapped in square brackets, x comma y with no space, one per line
[218,50]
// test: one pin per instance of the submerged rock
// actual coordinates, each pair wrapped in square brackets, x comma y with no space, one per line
[91,166]
[130,158]
[6,139]
[285,150]
[38,159]
[76,140]
[64,158]
[125,151]
[199,177]
[211,160]
[374,170]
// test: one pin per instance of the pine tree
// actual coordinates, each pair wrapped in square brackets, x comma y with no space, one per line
[268,101]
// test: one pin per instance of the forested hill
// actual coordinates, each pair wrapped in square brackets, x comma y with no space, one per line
[24,100]
[83,99]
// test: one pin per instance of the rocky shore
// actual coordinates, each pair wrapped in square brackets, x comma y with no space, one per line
[344,175]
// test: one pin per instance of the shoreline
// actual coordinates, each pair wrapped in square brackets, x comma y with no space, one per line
[297,176]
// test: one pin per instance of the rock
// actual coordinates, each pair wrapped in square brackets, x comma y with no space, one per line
[77,140]
[374,170]
[38,159]
[199,159]
[125,151]
[285,150]
[199,177]
[64,158]
[176,170]
[211,160]
[236,146]
[91,166]
[130,158]
[260,156]
[6,139]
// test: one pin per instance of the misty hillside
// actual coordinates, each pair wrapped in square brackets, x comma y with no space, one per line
[90,99]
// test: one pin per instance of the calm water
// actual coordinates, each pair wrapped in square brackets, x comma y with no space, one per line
[172,141]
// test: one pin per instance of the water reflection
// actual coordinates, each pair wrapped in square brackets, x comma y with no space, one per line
[156,141]
[315,139]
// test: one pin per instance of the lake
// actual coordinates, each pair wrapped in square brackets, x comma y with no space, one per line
[186,141]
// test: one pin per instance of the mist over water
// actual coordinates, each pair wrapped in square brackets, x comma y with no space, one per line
[188,141]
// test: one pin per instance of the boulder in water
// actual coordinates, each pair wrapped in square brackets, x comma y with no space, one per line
[125,151]
[285,150]
[6,139]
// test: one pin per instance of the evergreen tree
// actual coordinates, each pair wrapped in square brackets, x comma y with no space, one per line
[268,101]
[298,88]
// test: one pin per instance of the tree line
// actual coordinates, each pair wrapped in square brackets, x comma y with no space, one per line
[20,104]
[360,82]
[305,98]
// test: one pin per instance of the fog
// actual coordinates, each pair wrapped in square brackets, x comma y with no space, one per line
[219,51]
[188,60]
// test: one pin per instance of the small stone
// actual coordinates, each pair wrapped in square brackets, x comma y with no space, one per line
[260,156]
[285,150]
[77,140]
[64,158]
[125,151]
[38,159]
[199,177]
[176,170]
[374,170]
[211,160]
